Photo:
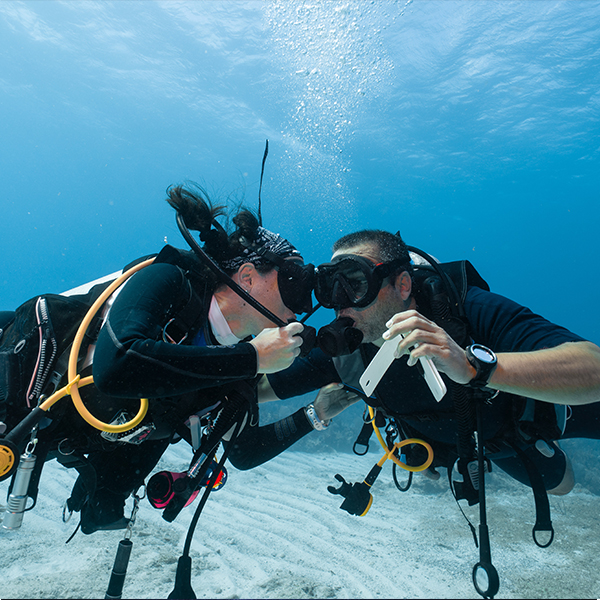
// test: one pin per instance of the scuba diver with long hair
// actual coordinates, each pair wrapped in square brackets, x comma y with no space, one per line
[191,333]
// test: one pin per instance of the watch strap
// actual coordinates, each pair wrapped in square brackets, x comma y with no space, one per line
[484,370]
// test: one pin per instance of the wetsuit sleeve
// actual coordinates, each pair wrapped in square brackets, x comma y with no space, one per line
[506,326]
[256,445]
[304,375]
[130,358]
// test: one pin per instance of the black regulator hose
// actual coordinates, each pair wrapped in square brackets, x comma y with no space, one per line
[485,575]
[233,412]
[9,444]
[183,577]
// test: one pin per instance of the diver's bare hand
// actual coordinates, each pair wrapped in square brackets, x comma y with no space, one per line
[423,337]
[332,399]
[277,347]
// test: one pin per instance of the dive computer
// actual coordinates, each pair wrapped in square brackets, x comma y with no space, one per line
[485,362]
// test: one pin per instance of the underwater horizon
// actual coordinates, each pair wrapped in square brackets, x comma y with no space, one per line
[470,127]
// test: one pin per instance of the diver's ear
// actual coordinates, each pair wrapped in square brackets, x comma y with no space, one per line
[246,276]
[403,284]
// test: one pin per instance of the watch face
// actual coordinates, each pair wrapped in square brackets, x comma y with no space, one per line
[483,354]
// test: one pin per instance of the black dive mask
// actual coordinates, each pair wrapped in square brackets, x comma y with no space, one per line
[296,284]
[351,281]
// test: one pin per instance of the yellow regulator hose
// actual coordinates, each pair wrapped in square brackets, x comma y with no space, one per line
[75,382]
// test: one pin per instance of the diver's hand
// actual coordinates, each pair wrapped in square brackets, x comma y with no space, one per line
[277,347]
[332,400]
[423,337]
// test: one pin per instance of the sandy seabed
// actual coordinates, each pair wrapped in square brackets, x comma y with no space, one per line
[275,532]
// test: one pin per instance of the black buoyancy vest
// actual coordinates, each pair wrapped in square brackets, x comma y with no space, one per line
[522,419]
[441,301]
[35,346]
[194,309]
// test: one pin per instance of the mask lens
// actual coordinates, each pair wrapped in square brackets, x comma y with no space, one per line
[354,281]
[295,286]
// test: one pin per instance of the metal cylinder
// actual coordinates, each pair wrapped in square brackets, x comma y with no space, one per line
[17,500]
[119,571]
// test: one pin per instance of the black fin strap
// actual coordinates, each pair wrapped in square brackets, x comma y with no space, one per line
[543,522]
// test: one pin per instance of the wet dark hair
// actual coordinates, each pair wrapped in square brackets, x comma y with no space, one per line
[200,214]
[389,246]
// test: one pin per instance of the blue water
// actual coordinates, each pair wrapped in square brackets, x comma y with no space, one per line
[471,127]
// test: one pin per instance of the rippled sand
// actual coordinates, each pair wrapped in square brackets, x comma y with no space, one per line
[275,532]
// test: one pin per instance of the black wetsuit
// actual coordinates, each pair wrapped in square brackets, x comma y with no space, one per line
[496,322]
[132,361]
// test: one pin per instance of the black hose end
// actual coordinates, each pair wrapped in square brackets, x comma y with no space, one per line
[183,580]
[22,429]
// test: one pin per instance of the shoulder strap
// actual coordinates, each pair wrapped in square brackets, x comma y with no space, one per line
[201,284]
[186,319]
[462,273]
[543,522]
[443,289]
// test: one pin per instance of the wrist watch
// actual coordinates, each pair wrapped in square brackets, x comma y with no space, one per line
[485,362]
[312,416]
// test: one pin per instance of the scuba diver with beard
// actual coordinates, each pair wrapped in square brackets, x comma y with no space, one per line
[527,368]
[517,383]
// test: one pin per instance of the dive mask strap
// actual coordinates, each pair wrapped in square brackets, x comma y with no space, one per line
[296,282]
[222,276]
